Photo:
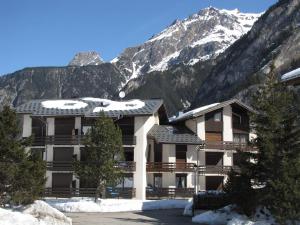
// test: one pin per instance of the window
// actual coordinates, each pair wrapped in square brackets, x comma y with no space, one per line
[240,138]
[180,180]
[218,117]
[157,180]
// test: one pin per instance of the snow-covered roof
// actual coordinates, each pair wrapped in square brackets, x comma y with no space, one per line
[291,75]
[89,107]
[208,108]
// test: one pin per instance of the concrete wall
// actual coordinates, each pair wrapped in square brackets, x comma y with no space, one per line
[192,125]
[168,180]
[27,126]
[227,124]
[201,127]
[169,153]
[50,126]
[191,154]
[78,124]
[228,158]
[142,125]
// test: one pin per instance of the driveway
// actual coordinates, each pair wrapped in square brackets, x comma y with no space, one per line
[153,217]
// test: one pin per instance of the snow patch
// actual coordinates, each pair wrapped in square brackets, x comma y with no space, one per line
[64,104]
[292,74]
[38,213]
[126,105]
[113,205]
[188,210]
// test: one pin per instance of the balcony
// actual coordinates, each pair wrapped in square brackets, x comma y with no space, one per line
[158,193]
[89,192]
[73,140]
[227,145]
[169,167]
[216,170]
[68,166]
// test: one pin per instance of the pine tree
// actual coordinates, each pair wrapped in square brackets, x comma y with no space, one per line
[103,147]
[274,170]
[22,175]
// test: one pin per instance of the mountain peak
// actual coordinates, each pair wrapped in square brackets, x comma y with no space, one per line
[86,58]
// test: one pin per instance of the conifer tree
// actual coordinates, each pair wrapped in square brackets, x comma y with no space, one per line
[274,170]
[22,175]
[103,147]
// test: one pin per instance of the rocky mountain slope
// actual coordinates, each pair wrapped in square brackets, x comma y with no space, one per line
[273,40]
[198,38]
[60,82]
[86,59]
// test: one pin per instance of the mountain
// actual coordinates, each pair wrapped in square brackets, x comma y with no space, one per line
[273,40]
[60,82]
[200,37]
[86,59]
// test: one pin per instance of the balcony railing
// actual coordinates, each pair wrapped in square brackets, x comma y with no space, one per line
[169,167]
[226,145]
[158,193]
[126,166]
[73,140]
[89,192]
[217,170]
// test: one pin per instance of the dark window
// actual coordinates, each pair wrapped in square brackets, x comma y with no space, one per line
[236,118]
[214,182]
[38,127]
[236,158]
[63,154]
[38,152]
[62,180]
[158,153]
[214,158]
[180,180]
[181,152]
[65,126]
[129,154]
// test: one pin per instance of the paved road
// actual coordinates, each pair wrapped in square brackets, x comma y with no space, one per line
[155,217]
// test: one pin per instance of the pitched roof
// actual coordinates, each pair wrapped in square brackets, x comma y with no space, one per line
[208,108]
[173,135]
[291,75]
[89,107]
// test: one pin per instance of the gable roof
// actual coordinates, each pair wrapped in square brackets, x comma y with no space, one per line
[169,134]
[209,108]
[89,107]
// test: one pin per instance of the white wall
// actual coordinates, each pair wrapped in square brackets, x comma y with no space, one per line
[142,125]
[227,124]
[168,180]
[49,153]
[169,153]
[201,127]
[27,126]
[191,154]
[50,126]
[49,179]
[78,124]
[227,158]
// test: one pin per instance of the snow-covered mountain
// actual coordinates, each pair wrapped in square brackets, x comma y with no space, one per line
[200,37]
[86,59]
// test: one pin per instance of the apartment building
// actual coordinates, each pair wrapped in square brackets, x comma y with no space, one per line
[192,152]
[199,147]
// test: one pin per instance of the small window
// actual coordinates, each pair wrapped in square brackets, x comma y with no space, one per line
[236,118]
[218,117]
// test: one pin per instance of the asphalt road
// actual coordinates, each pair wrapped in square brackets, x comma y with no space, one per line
[154,217]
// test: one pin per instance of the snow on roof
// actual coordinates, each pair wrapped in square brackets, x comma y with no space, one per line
[195,111]
[64,104]
[291,75]
[114,105]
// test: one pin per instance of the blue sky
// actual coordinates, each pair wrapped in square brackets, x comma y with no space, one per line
[50,32]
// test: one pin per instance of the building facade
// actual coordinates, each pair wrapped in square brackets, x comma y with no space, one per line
[192,152]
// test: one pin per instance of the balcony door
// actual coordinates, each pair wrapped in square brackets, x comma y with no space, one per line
[63,154]
[181,156]
[181,180]
[61,182]
[65,126]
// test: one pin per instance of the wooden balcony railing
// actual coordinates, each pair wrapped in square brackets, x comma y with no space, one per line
[217,170]
[73,140]
[126,166]
[169,167]
[226,145]
[89,192]
[157,193]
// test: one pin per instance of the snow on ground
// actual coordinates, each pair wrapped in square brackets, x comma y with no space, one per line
[113,205]
[64,104]
[227,216]
[38,213]
[126,105]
